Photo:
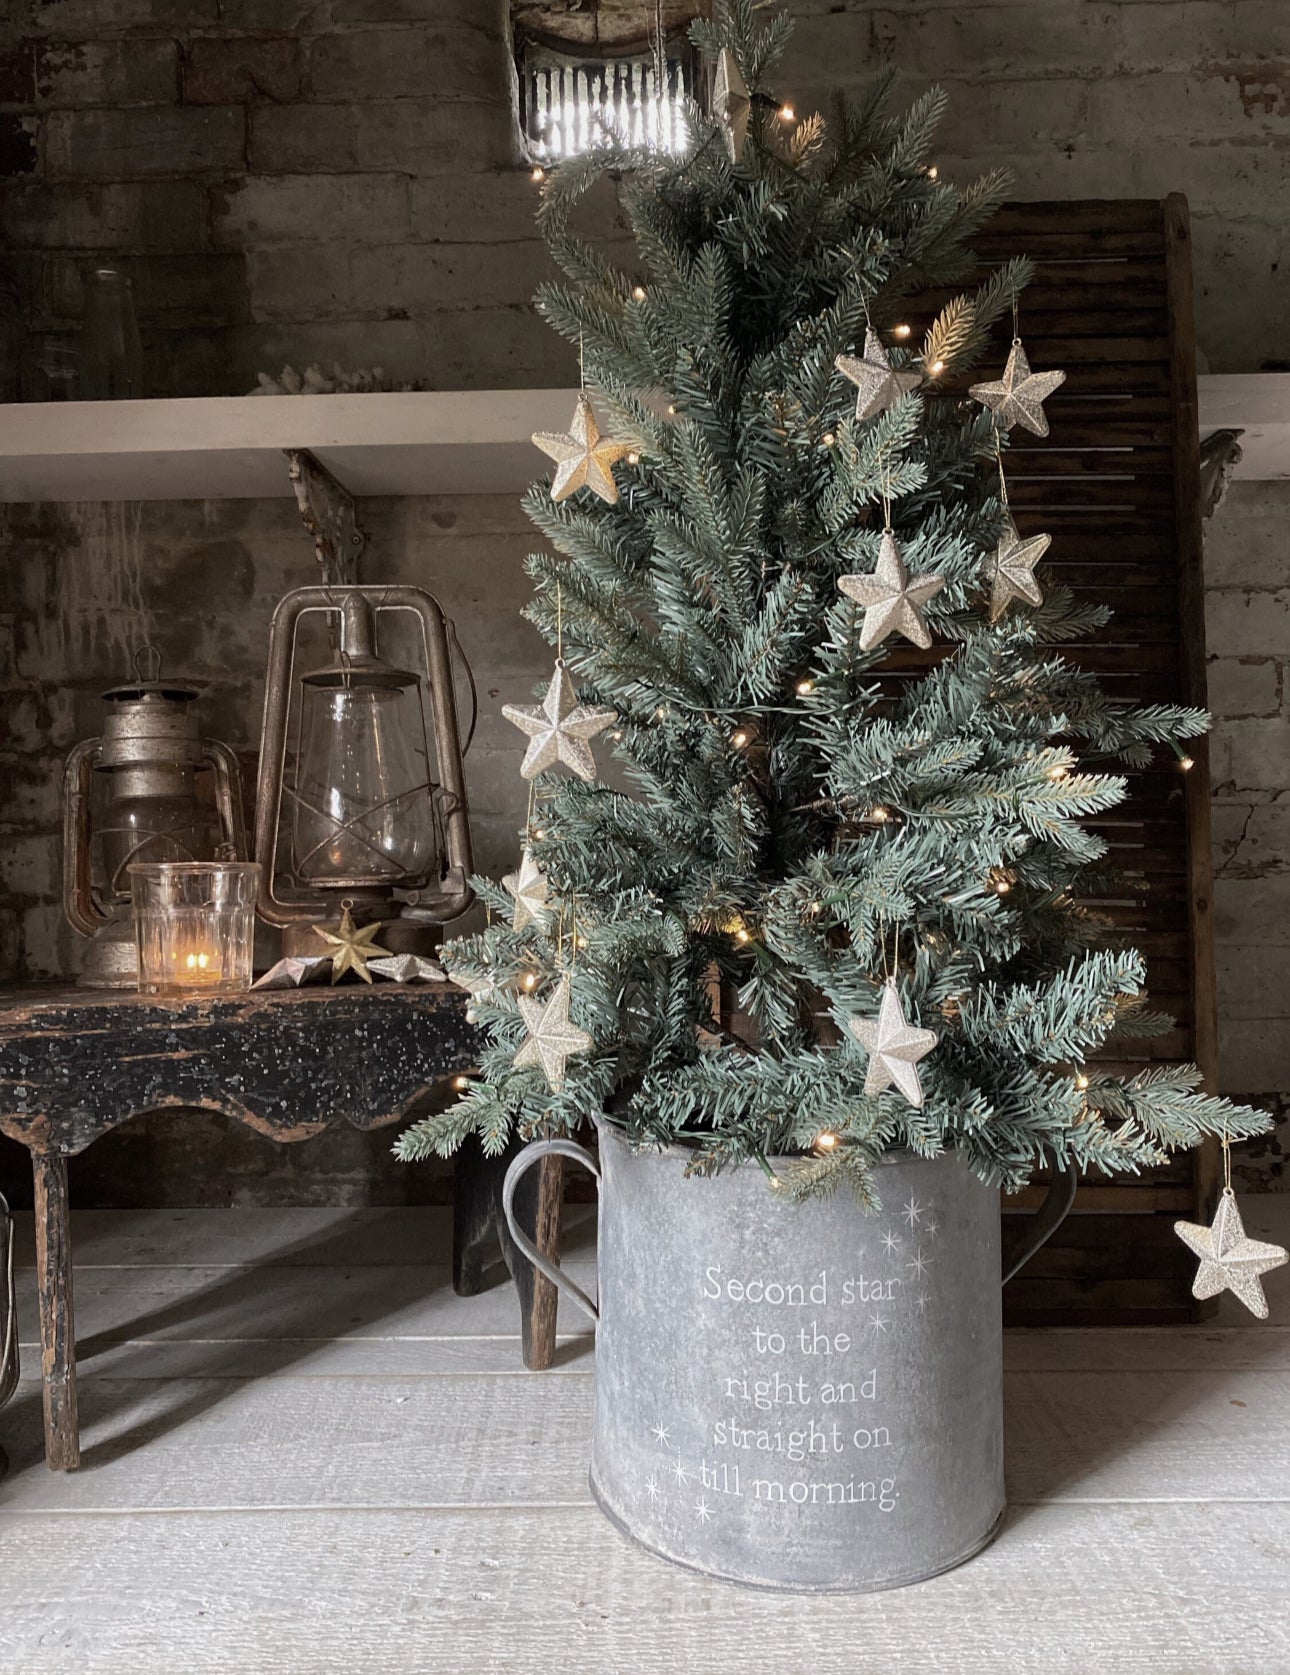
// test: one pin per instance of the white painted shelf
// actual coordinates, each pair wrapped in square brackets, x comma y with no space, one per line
[231,447]
[426,442]
[1257,403]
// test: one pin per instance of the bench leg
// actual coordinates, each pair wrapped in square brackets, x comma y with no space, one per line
[538,1297]
[57,1329]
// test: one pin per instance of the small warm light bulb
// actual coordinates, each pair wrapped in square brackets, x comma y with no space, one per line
[671,410]
[740,739]
[828,439]
[825,1142]
[936,368]
[461,1083]
[902,331]
[661,712]
[881,813]
[529,980]
[537,172]
[816,907]
[638,291]
[743,934]
[616,734]
[805,688]
[1061,771]
[1003,886]
[580,941]
[1081,1082]
[787,113]
[633,458]
[1186,763]
[933,172]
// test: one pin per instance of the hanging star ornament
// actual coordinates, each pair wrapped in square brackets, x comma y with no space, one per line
[1018,397]
[1010,569]
[529,887]
[894,1048]
[584,459]
[892,602]
[552,1038]
[1228,1260]
[489,990]
[878,384]
[352,947]
[559,728]
[731,104]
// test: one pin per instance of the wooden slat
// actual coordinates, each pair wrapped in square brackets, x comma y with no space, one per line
[481,1593]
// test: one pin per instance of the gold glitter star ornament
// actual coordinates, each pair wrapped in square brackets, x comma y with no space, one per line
[893,603]
[1228,1260]
[731,104]
[552,1038]
[352,948]
[1010,570]
[559,728]
[878,384]
[894,1048]
[584,459]
[1018,397]
[529,887]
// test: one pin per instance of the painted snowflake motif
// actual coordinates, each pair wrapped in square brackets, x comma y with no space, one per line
[913,1212]
[921,1303]
[663,1434]
[878,1322]
[918,1264]
[932,1229]
[890,1242]
[702,1511]
[682,1473]
[651,1488]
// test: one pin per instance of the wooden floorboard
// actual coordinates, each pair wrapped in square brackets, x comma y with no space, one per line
[303,1453]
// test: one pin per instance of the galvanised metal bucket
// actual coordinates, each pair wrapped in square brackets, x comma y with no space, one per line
[804,1397]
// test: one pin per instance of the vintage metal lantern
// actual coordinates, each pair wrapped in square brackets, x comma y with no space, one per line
[132,795]
[360,805]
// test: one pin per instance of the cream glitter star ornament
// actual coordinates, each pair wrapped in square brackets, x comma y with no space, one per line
[1228,1260]
[1010,569]
[731,104]
[529,887]
[584,459]
[1018,397]
[892,602]
[351,947]
[489,990]
[894,1047]
[552,1038]
[878,384]
[559,728]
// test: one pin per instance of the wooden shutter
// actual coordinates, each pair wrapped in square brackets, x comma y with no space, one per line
[1116,484]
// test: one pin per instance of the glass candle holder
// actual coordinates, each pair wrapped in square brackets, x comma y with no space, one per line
[195,925]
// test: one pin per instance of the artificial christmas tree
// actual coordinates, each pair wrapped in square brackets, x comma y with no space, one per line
[831,924]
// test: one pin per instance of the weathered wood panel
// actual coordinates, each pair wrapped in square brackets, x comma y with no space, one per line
[484,1593]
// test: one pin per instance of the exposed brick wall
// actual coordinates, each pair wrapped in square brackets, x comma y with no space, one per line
[1247,572]
[340,179]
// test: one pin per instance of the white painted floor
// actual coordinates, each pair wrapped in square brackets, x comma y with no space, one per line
[303,1454]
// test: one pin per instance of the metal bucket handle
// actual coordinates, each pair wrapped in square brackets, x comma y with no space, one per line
[1047,1218]
[520,1165]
